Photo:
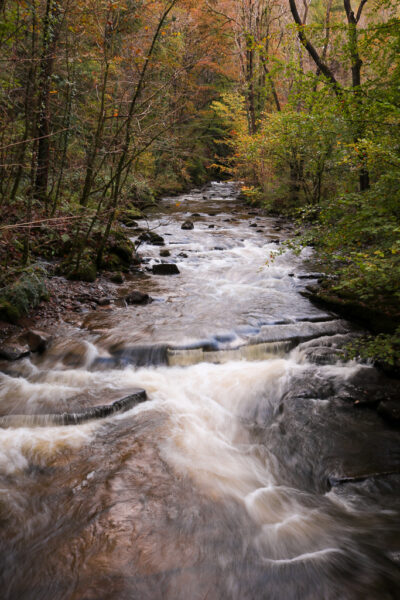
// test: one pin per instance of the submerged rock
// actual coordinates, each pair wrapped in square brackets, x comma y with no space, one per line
[165,252]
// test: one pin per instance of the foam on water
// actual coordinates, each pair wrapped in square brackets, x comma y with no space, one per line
[21,447]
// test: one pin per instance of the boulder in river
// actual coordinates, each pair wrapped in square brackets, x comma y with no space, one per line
[187,225]
[137,297]
[165,252]
[165,269]
[151,237]
[13,349]
[36,340]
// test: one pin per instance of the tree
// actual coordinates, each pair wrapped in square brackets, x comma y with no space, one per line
[356,64]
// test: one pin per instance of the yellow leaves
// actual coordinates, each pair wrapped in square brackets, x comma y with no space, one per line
[53,92]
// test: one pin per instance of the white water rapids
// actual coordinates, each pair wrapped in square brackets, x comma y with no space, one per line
[219,486]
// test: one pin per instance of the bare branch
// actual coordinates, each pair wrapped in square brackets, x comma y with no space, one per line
[325,70]
[360,9]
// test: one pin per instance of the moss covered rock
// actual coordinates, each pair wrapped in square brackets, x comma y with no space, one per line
[85,272]
[17,299]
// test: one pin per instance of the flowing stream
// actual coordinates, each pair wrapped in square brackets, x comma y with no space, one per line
[247,473]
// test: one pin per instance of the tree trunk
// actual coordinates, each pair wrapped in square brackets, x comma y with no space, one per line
[51,30]
[250,88]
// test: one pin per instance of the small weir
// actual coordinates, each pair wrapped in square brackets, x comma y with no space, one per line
[219,444]
[75,418]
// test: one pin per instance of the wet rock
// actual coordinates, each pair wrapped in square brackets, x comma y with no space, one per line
[211,226]
[13,349]
[165,252]
[218,248]
[187,225]
[390,410]
[137,297]
[117,278]
[151,237]
[104,301]
[323,356]
[377,321]
[196,215]
[37,340]
[165,269]
[309,275]
[182,255]
[253,225]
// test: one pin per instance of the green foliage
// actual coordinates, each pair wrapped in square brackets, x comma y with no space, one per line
[382,348]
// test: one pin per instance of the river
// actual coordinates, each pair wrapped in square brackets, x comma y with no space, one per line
[250,471]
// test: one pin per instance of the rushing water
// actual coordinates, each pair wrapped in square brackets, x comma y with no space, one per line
[248,473]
